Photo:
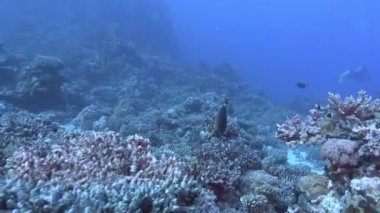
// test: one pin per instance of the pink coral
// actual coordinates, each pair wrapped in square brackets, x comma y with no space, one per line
[341,152]
[91,156]
[290,130]
[101,172]
[362,108]
[339,119]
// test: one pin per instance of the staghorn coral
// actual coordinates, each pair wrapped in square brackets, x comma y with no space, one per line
[348,130]
[22,129]
[339,119]
[362,108]
[100,172]
[290,130]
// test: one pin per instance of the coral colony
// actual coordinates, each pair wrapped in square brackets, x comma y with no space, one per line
[349,134]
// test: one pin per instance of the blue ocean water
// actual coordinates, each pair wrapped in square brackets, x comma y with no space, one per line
[189,106]
[277,43]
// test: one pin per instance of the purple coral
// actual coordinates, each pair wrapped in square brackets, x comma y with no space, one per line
[339,119]
[23,129]
[341,152]
[348,130]
[100,172]
[362,108]
[91,156]
[290,130]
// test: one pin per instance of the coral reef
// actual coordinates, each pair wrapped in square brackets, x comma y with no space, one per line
[22,129]
[348,131]
[39,82]
[40,86]
[181,168]
[90,118]
[256,203]
[100,172]
[339,119]
[313,186]
[115,85]
[364,195]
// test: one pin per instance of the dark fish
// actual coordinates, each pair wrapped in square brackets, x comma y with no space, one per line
[301,84]
[220,124]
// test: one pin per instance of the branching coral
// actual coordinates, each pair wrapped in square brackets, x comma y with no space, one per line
[349,132]
[101,172]
[338,119]
[348,129]
[22,129]
[344,127]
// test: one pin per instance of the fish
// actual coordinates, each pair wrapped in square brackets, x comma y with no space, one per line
[220,123]
[301,84]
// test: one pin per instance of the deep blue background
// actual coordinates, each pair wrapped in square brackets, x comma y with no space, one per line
[275,43]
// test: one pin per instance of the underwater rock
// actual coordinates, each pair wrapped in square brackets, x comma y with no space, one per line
[357,203]
[192,105]
[313,186]
[327,203]
[368,188]
[89,117]
[46,63]
[256,181]
[41,87]
[341,152]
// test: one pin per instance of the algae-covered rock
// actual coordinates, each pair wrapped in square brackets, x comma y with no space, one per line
[46,63]
[367,191]
[313,186]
